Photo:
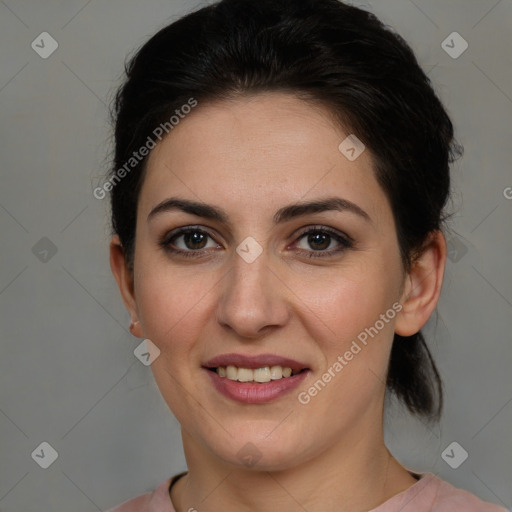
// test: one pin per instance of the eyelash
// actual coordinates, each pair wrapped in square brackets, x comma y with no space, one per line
[345,242]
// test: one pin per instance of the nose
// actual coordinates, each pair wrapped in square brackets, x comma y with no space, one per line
[252,298]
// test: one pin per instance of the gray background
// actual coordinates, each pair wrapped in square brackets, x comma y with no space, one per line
[68,375]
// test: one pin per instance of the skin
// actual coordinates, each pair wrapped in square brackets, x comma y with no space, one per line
[251,156]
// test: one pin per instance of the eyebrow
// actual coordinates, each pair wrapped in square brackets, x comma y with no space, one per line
[282,215]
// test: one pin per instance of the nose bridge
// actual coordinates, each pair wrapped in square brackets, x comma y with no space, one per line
[249,275]
[251,298]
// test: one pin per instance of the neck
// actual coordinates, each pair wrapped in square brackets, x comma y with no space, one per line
[357,474]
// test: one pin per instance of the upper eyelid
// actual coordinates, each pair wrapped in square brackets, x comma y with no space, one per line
[298,231]
[174,233]
[327,229]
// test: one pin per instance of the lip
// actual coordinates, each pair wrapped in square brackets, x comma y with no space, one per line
[254,362]
[253,392]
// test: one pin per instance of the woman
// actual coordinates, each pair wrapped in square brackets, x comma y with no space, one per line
[281,169]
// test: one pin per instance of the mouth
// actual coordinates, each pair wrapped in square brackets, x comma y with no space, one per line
[255,379]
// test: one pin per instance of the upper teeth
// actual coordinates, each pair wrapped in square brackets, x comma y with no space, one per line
[265,374]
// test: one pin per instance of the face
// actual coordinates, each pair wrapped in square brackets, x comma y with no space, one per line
[249,281]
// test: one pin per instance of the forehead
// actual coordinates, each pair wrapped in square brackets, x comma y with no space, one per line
[263,150]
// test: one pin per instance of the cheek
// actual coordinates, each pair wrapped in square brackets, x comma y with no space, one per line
[169,304]
[345,303]
[354,338]
[172,310]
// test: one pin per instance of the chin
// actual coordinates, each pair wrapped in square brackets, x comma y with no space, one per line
[260,454]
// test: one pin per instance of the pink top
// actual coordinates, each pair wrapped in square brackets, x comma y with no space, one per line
[429,494]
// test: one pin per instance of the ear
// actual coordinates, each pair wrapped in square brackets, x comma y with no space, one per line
[422,286]
[124,278]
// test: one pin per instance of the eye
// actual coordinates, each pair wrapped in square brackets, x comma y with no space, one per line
[315,242]
[320,241]
[188,241]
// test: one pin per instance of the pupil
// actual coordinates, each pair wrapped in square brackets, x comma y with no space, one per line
[319,239]
[193,240]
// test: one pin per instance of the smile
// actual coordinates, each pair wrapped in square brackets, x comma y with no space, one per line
[254,379]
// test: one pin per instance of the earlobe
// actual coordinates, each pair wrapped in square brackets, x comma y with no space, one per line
[135,329]
[422,286]
[124,279]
